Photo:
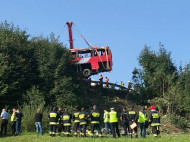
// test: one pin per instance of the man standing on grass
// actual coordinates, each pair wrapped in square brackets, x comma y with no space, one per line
[13,121]
[4,121]
[154,120]
[53,120]
[38,122]
[114,122]
[19,117]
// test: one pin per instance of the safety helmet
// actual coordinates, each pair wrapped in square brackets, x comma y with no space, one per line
[152,107]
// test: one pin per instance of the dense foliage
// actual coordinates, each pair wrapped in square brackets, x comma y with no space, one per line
[161,83]
[37,66]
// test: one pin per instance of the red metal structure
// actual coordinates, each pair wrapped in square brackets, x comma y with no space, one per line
[90,60]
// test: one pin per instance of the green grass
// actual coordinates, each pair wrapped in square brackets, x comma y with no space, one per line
[31,137]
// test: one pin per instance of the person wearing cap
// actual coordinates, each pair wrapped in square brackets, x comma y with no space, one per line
[124,120]
[114,122]
[154,120]
[142,119]
[132,117]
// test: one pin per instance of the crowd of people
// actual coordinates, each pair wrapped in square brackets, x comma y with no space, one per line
[60,122]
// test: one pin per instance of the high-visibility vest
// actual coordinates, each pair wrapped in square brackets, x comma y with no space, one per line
[142,117]
[106,117]
[13,117]
[113,116]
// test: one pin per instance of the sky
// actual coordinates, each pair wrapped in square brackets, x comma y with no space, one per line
[126,26]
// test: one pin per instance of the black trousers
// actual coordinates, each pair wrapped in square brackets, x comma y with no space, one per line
[67,130]
[13,127]
[4,123]
[83,129]
[155,130]
[76,126]
[130,130]
[52,129]
[95,127]
[125,126]
[114,128]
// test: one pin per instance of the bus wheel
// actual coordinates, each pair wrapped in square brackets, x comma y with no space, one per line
[86,72]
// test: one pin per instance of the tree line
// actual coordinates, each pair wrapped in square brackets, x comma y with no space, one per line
[162,83]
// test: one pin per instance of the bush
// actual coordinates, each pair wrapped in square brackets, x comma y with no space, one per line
[179,121]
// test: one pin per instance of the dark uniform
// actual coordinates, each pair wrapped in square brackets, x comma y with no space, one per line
[125,121]
[83,122]
[53,120]
[132,116]
[95,121]
[75,117]
[60,122]
[67,123]
[154,119]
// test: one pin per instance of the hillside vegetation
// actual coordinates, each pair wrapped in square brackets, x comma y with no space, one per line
[36,72]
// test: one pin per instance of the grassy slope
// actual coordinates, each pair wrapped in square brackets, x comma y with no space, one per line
[46,138]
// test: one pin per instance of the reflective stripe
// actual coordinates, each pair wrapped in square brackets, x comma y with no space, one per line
[53,114]
[155,124]
[67,124]
[53,123]
[155,115]
[66,117]
[81,116]
[132,112]
[95,122]
[96,114]
[76,121]
[82,123]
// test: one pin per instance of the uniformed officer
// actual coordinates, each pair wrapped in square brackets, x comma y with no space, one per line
[53,121]
[142,122]
[75,117]
[124,121]
[132,116]
[83,116]
[154,119]
[67,122]
[114,122]
[95,121]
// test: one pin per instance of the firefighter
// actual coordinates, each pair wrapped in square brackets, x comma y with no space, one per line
[83,116]
[106,80]
[154,120]
[95,121]
[122,85]
[53,120]
[124,121]
[114,122]
[132,116]
[142,122]
[75,117]
[106,121]
[60,121]
[67,122]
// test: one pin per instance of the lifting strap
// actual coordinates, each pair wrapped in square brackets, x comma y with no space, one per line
[108,67]
[100,58]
